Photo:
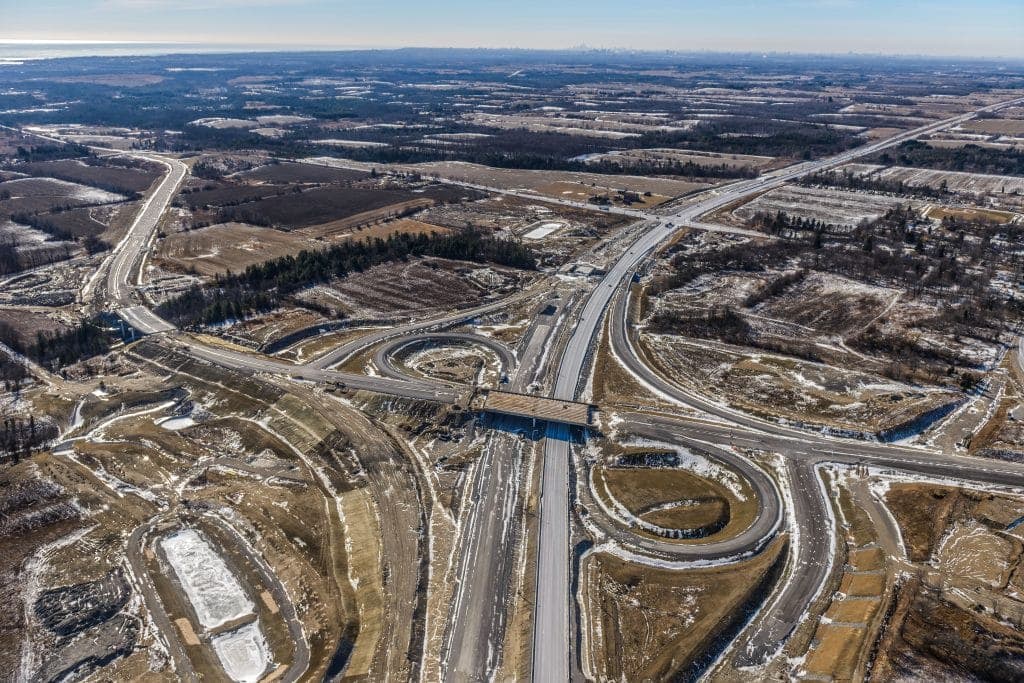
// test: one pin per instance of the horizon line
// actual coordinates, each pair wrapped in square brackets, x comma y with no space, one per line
[319,47]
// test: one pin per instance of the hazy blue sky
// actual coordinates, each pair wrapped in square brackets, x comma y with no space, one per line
[940,27]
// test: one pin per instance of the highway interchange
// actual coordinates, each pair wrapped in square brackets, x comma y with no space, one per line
[484,566]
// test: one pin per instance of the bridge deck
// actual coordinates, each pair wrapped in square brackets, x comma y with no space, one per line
[538,407]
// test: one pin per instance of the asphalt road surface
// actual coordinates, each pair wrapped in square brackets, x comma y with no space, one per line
[487,542]
[130,251]
[383,357]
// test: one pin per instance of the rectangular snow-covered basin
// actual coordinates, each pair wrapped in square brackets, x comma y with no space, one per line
[542,231]
[213,590]
[243,653]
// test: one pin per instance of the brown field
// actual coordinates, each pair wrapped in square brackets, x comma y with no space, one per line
[106,172]
[867,559]
[27,323]
[922,511]
[649,624]
[288,172]
[862,585]
[643,491]
[581,193]
[533,180]
[233,246]
[1013,127]
[218,194]
[84,221]
[970,214]
[836,651]
[227,246]
[881,133]
[852,611]
[370,222]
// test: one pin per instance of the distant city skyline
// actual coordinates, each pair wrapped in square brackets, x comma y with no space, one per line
[984,28]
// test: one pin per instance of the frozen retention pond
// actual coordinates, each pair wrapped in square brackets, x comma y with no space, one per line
[218,598]
[243,653]
[542,231]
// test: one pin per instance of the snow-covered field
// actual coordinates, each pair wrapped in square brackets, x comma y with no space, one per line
[956,181]
[243,653]
[542,231]
[838,207]
[60,188]
[212,589]
[355,144]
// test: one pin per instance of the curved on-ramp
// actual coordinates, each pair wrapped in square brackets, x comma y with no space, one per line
[384,356]
[750,540]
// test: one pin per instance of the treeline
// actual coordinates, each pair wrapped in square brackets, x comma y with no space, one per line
[14,260]
[716,323]
[969,158]
[88,339]
[56,349]
[12,372]
[52,152]
[648,167]
[782,224]
[849,181]
[745,257]
[774,287]
[19,437]
[262,287]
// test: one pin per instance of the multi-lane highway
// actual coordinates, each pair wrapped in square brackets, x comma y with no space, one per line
[127,256]
[552,641]
[552,638]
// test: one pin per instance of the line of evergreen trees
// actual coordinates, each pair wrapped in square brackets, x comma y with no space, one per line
[261,287]
[969,158]
[52,152]
[848,181]
[56,349]
[19,437]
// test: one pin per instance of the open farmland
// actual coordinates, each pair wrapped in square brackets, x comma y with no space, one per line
[554,183]
[318,206]
[227,246]
[288,172]
[125,177]
[234,246]
[998,126]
